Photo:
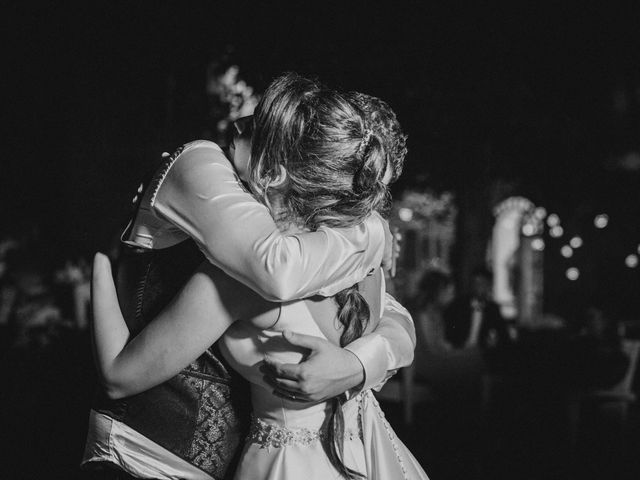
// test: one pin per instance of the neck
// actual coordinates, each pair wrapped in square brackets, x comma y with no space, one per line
[285,221]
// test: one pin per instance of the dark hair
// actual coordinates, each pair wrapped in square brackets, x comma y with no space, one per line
[430,286]
[325,154]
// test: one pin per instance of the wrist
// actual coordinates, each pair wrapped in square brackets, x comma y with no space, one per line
[356,377]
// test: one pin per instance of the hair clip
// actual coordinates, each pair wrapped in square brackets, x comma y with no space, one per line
[366,138]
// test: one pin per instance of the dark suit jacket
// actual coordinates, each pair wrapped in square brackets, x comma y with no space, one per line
[458,323]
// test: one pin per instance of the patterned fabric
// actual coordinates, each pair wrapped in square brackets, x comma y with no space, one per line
[195,415]
[216,437]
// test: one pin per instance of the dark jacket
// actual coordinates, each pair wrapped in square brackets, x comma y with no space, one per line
[458,318]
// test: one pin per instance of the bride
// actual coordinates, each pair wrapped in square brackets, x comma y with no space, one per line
[347,149]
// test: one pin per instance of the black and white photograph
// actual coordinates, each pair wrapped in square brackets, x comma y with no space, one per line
[320,240]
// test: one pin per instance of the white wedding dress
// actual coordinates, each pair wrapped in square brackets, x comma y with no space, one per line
[286,438]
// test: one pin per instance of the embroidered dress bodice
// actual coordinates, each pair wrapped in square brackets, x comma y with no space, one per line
[245,347]
[288,438]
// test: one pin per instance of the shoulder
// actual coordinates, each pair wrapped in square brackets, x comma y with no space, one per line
[192,167]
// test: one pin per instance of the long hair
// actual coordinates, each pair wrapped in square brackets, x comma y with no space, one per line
[325,155]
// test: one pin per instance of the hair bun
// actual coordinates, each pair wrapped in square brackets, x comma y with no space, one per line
[366,138]
[373,163]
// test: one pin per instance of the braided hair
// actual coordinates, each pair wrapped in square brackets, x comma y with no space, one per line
[325,154]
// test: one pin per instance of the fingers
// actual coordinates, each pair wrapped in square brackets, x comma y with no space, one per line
[292,397]
[284,384]
[305,341]
[282,370]
[284,387]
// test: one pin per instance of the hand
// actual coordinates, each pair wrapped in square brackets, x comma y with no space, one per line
[328,371]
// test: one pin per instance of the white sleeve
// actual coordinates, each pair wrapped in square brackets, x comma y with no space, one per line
[389,347]
[200,193]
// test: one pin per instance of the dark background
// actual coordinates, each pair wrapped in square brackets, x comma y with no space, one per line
[498,99]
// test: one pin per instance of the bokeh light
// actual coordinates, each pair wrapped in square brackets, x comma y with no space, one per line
[553,220]
[537,244]
[528,230]
[601,221]
[631,261]
[540,212]
[575,242]
[405,214]
[556,232]
[573,274]
[566,251]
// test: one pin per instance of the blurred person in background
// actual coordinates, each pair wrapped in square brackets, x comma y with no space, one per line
[474,321]
[477,333]
[437,361]
[596,355]
[29,307]
[435,292]
[73,287]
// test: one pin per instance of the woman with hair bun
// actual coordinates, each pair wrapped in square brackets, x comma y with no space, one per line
[319,158]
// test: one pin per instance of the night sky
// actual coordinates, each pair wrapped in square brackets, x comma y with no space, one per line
[543,100]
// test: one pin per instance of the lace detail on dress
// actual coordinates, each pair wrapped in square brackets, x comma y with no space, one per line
[268,435]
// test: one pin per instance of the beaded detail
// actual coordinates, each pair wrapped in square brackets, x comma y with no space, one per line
[268,435]
[390,432]
[168,161]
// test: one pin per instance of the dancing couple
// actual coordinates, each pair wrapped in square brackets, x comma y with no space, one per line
[246,328]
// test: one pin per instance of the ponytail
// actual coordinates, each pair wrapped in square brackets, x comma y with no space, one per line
[353,314]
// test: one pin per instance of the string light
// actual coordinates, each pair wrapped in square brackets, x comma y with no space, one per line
[405,214]
[631,261]
[540,212]
[601,221]
[537,244]
[575,242]
[553,220]
[556,231]
[528,229]
[566,251]
[573,274]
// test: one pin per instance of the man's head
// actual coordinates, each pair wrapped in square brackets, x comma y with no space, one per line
[481,283]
